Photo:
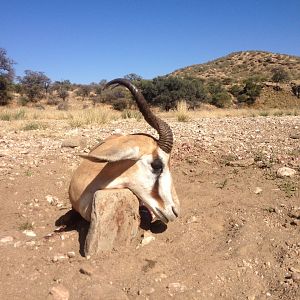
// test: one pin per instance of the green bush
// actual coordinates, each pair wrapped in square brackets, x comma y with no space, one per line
[120,104]
[23,101]
[165,92]
[221,99]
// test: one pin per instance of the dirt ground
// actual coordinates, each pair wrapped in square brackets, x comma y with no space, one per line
[237,236]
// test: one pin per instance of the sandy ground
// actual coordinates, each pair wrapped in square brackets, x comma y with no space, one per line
[237,236]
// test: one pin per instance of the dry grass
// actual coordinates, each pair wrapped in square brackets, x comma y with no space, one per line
[231,112]
[92,116]
[131,114]
[31,118]
[75,118]
[10,115]
[30,113]
[182,113]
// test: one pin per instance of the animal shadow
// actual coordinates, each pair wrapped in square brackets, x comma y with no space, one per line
[72,220]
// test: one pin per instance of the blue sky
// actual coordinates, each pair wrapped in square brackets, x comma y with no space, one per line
[86,41]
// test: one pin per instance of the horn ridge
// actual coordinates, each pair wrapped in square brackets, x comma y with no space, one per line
[165,141]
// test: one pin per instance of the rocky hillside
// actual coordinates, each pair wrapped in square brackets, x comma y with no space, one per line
[239,66]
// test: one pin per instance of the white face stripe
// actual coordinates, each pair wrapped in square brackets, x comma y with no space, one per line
[155,190]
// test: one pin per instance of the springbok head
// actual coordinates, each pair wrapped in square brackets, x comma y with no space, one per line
[141,162]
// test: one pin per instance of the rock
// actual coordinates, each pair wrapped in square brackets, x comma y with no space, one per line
[87,270]
[52,200]
[73,143]
[295,269]
[295,222]
[241,163]
[102,292]
[59,257]
[29,233]
[59,292]
[175,288]
[286,172]
[160,277]
[71,254]
[148,238]
[296,277]
[258,190]
[192,219]
[6,240]
[294,213]
[295,136]
[148,290]
[114,221]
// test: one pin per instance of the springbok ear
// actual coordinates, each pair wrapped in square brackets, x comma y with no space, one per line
[111,151]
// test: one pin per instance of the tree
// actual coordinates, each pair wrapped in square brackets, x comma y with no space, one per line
[6,66]
[5,95]
[34,84]
[7,74]
[133,77]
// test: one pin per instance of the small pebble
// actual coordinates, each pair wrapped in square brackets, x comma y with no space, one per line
[258,190]
[6,239]
[296,277]
[71,254]
[29,233]
[148,238]
[86,270]
[58,258]
[146,291]
[176,287]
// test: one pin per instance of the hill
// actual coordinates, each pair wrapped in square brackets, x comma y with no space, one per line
[239,66]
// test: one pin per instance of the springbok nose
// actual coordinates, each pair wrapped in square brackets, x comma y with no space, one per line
[174,211]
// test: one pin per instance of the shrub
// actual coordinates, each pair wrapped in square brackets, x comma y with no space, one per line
[52,101]
[63,106]
[131,114]
[23,101]
[182,114]
[33,126]
[120,104]
[221,99]
[235,90]
[63,94]
[9,116]
[280,75]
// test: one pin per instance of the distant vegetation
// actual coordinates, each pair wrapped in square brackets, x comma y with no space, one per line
[235,80]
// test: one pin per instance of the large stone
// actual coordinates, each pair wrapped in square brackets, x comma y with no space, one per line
[114,221]
[286,172]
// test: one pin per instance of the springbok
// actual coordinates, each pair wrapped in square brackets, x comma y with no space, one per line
[138,162]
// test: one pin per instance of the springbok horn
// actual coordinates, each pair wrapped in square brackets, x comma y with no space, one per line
[165,141]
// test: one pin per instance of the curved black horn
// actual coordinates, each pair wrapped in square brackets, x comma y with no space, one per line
[165,141]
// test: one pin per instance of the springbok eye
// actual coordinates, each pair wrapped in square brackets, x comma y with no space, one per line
[157,166]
